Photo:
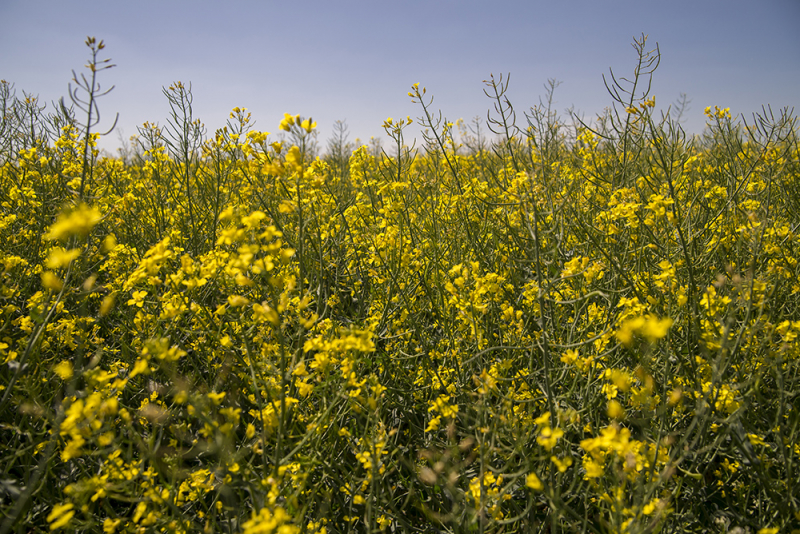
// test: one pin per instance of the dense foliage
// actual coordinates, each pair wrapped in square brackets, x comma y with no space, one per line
[586,328]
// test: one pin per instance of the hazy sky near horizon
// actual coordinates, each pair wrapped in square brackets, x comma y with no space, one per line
[356,60]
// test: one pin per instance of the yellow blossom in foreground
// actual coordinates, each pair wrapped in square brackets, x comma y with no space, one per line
[267,521]
[561,465]
[308,125]
[110,525]
[59,257]
[615,410]
[109,243]
[60,515]
[288,121]
[650,507]
[237,301]
[140,367]
[593,468]
[63,370]
[441,405]
[107,304]
[533,482]
[548,437]
[215,397]
[650,327]
[77,223]
[51,281]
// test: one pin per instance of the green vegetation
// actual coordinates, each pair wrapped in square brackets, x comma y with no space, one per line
[561,328]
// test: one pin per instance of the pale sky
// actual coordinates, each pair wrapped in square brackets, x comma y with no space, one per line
[356,60]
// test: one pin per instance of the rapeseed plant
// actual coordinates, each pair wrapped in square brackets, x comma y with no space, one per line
[580,329]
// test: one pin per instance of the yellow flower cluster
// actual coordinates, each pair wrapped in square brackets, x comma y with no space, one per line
[592,329]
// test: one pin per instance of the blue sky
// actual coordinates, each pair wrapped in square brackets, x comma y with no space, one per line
[356,60]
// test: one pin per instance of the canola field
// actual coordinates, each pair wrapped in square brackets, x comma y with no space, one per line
[527,325]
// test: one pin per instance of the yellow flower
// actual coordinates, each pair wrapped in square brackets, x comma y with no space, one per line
[650,327]
[308,125]
[110,525]
[63,370]
[433,425]
[441,405]
[51,281]
[533,482]
[138,299]
[288,121]
[252,220]
[610,390]
[561,465]
[107,304]
[286,207]
[548,437]
[621,379]
[59,257]
[650,507]
[718,113]
[570,357]
[654,328]
[543,419]
[263,312]
[237,300]
[593,468]
[267,521]
[615,410]
[77,223]
[60,515]
[109,243]
[215,397]
[140,367]
[304,388]
[675,396]
[286,255]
